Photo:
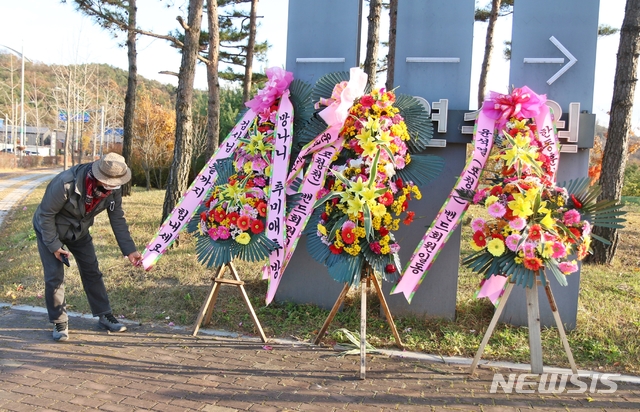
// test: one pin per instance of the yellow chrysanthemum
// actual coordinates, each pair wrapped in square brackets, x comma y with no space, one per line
[378,210]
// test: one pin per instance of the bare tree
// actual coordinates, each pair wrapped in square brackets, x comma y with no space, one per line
[213,118]
[132,84]
[373,39]
[616,149]
[179,173]
[391,54]
[491,16]
[119,15]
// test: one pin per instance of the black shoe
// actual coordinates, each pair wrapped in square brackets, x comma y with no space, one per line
[61,331]
[110,323]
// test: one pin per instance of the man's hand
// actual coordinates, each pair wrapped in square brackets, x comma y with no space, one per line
[59,252]
[135,258]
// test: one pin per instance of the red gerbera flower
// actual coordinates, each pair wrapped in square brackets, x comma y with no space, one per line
[576,232]
[479,238]
[383,231]
[533,263]
[348,236]
[233,218]
[399,183]
[219,214]
[535,232]
[386,199]
[257,226]
[243,222]
[334,249]
[262,208]
[496,190]
[203,216]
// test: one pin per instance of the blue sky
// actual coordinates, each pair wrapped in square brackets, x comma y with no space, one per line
[55,33]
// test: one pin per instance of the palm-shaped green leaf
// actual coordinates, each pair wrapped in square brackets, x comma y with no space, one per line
[418,122]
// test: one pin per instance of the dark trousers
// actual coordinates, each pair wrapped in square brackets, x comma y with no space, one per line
[85,256]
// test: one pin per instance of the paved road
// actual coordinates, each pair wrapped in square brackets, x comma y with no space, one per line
[155,367]
[14,187]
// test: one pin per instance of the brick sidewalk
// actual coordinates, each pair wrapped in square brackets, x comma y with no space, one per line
[166,369]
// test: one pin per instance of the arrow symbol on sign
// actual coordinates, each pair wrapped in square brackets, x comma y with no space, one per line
[571,57]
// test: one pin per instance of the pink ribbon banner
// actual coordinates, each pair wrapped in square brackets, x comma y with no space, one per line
[451,212]
[299,216]
[191,200]
[277,199]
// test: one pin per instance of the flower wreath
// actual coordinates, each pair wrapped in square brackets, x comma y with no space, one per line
[234,220]
[534,225]
[371,180]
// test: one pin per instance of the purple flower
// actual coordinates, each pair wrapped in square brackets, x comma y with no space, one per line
[395,248]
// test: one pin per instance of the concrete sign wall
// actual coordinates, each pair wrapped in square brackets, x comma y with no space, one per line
[322,37]
[554,53]
[433,61]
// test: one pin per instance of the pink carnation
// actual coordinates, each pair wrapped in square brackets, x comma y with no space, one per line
[571,217]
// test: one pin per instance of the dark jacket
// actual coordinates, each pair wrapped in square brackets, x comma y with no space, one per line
[61,216]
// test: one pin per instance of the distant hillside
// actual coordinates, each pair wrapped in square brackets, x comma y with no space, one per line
[89,86]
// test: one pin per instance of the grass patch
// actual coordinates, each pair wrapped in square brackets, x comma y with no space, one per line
[607,337]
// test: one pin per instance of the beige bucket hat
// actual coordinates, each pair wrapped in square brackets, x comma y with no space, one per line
[111,170]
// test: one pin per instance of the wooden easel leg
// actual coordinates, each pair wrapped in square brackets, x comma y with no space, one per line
[533,321]
[387,312]
[236,276]
[332,314]
[492,325]
[563,336]
[207,305]
[363,324]
[209,313]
